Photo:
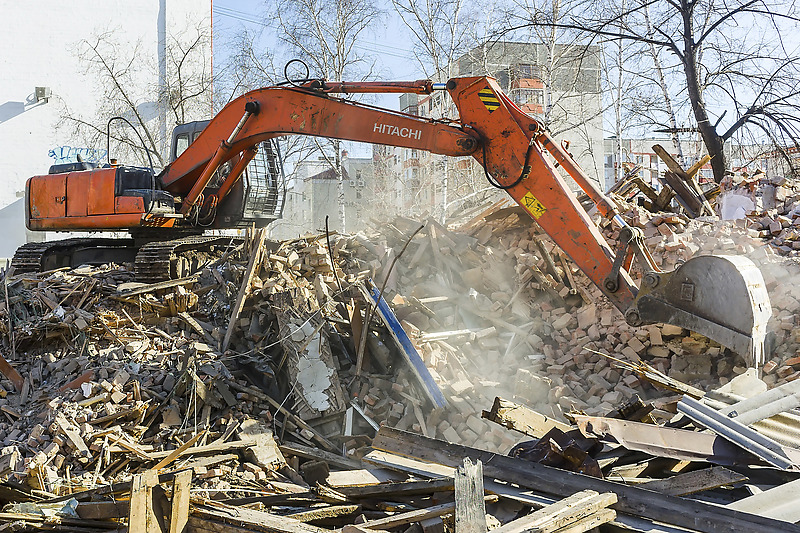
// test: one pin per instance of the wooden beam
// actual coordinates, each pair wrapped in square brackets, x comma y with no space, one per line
[179,514]
[694,169]
[470,507]
[409,517]
[158,286]
[322,513]
[694,482]
[208,448]
[177,452]
[589,523]
[221,518]
[103,510]
[519,418]
[307,452]
[11,373]
[560,514]
[252,267]
[403,488]
[691,514]
[142,517]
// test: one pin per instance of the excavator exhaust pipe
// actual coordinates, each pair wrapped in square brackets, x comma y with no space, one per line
[722,297]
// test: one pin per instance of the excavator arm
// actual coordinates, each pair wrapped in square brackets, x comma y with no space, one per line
[721,297]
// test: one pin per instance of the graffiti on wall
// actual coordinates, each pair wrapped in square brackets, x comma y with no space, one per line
[69,154]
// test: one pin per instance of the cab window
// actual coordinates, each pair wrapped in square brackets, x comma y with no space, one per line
[181,143]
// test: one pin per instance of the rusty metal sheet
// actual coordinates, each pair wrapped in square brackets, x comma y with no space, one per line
[673,443]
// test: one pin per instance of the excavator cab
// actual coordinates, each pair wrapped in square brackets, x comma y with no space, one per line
[255,199]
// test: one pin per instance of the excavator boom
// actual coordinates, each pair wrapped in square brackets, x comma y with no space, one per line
[721,297]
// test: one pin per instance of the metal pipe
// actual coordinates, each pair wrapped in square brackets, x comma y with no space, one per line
[236,172]
[739,434]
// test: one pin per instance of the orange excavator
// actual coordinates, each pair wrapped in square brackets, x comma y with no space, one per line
[722,297]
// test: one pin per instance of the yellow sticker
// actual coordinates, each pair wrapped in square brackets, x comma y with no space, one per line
[489,99]
[533,205]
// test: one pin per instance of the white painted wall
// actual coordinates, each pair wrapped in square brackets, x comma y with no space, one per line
[38,47]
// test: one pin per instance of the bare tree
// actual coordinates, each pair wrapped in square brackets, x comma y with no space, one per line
[326,35]
[732,57]
[441,31]
[250,66]
[118,69]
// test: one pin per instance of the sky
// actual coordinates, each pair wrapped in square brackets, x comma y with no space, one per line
[389,42]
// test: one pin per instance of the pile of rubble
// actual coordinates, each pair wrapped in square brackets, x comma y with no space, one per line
[314,383]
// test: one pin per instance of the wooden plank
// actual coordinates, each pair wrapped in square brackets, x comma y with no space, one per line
[408,350]
[432,470]
[322,513]
[179,514]
[73,436]
[560,514]
[317,436]
[668,160]
[103,510]
[693,482]
[174,454]
[307,452]
[589,523]
[520,418]
[208,448]
[409,517]
[244,519]
[11,373]
[363,477]
[142,517]
[158,286]
[634,501]
[470,508]
[403,488]
[252,267]
[694,169]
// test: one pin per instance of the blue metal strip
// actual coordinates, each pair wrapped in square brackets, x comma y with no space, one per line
[412,357]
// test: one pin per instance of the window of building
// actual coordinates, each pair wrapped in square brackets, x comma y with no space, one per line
[527,72]
[528,96]
[502,78]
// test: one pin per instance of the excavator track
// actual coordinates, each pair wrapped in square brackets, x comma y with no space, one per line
[164,260]
[43,256]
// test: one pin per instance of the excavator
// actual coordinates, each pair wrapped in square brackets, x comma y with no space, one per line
[721,297]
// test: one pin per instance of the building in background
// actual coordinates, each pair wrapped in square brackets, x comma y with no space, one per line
[44,78]
[312,192]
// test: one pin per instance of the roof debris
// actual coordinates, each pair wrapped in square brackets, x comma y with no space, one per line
[394,382]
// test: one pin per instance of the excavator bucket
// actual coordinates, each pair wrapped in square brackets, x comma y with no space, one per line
[719,296]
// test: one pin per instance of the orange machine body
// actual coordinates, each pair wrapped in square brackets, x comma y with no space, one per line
[86,200]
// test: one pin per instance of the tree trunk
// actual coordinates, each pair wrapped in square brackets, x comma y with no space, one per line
[713,142]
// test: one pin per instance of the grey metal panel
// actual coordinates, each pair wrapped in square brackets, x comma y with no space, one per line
[731,430]
[780,503]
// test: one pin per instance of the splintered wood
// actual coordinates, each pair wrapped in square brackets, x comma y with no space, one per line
[492,377]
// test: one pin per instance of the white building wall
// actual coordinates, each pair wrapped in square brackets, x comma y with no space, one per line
[39,44]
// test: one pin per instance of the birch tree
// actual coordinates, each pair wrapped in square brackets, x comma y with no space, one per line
[326,34]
